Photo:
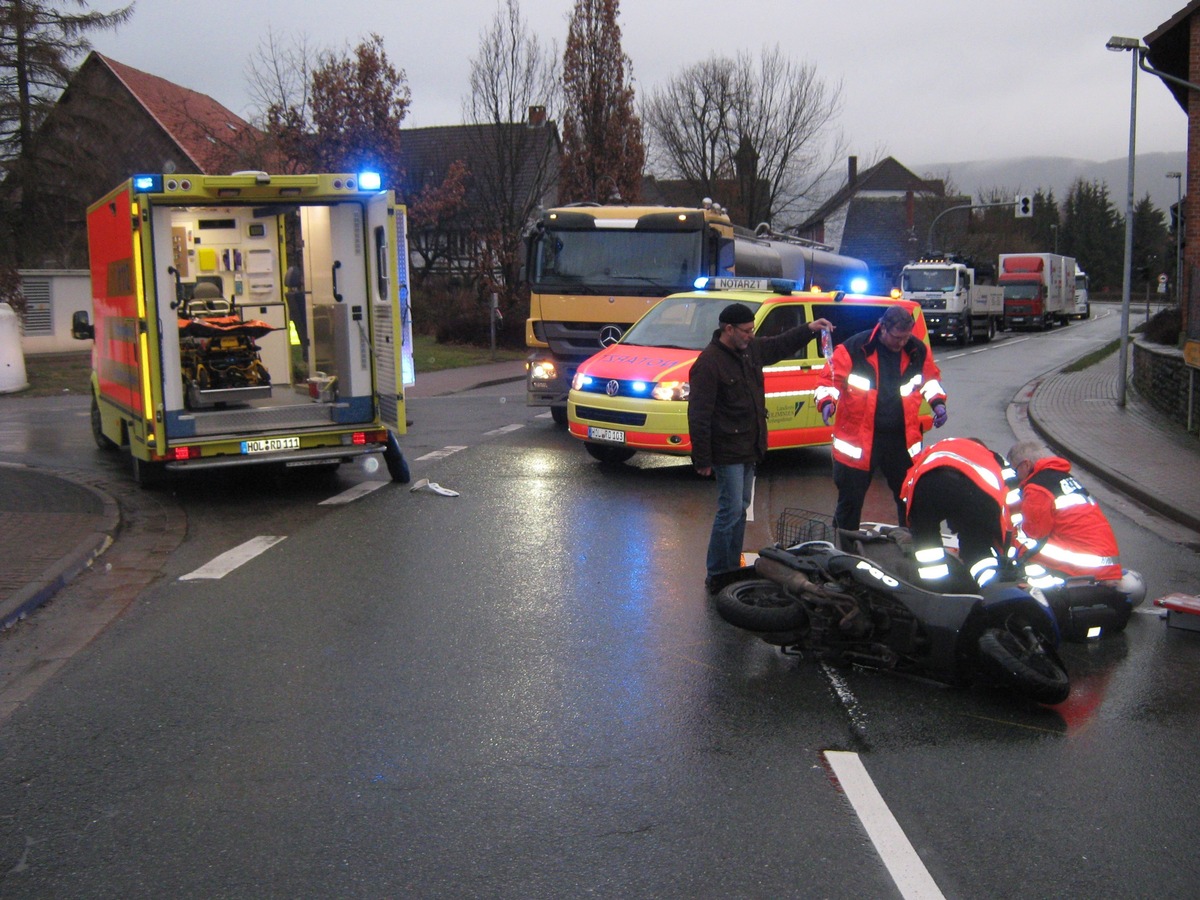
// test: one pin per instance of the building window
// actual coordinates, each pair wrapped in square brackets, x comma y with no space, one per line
[39,310]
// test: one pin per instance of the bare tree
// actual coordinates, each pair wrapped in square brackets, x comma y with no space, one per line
[602,135]
[762,127]
[513,146]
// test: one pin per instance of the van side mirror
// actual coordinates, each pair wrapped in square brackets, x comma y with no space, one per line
[81,328]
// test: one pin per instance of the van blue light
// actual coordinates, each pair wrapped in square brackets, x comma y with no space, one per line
[639,387]
[700,283]
[147,184]
[369,181]
[858,285]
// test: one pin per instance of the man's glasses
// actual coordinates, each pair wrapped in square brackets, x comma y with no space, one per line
[747,329]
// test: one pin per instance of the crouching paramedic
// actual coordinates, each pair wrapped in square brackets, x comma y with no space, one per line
[874,386]
[974,490]
[1063,525]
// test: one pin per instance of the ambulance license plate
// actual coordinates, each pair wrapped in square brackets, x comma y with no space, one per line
[268,445]
[610,435]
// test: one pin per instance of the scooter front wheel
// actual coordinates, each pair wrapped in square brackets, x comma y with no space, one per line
[1023,664]
[760,605]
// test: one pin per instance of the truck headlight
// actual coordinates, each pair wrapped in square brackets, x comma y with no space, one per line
[543,370]
[671,390]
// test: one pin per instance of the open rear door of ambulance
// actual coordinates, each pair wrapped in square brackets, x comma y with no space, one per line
[392,337]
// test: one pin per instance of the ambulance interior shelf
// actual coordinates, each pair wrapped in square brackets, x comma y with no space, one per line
[220,361]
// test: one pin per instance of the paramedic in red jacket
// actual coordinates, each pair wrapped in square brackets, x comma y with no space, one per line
[1058,512]
[974,490]
[873,389]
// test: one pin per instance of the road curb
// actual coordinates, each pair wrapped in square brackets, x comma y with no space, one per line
[67,567]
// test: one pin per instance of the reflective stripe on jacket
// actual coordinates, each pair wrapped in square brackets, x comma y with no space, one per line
[986,469]
[851,381]
[1078,539]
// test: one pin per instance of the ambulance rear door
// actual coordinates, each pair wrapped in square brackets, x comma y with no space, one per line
[387,269]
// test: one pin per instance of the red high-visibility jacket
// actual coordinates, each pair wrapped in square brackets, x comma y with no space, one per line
[1060,511]
[982,466]
[851,381]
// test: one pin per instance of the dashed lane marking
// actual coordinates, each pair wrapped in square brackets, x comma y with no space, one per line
[351,494]
[439,454]
[505,430]
[893,847]
[232,559]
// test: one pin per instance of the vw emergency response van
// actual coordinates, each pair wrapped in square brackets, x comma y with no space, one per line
[248,319]
[633,395]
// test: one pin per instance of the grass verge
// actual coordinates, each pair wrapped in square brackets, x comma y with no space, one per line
[1094,357]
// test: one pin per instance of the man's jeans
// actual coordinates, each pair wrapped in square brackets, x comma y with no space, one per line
[735,486]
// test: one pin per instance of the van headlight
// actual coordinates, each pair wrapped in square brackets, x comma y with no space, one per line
[671,390]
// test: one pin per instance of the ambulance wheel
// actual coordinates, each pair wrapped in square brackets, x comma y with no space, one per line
[397,466]
[102,441]
[607,453]
[559,415]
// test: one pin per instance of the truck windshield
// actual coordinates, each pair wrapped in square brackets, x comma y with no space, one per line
[686,323]
[1022,292]
[612,261]
[928,280]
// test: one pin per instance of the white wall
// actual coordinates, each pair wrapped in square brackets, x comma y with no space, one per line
[70,290]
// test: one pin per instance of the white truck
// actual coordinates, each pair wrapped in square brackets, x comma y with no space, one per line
[1083,306]
[1039,289]
[956,305]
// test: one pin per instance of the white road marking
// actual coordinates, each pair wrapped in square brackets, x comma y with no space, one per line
[351,494]
[231,559]
[507,428]
[897,853]
[439,454]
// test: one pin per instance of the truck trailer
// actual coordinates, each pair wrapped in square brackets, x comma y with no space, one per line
[1039,289]
[957,306]
[248,319]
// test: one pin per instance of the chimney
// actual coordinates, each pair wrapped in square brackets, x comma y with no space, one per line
[852,175]
[537,116]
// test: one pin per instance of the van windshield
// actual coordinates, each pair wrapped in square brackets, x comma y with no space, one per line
[686,323]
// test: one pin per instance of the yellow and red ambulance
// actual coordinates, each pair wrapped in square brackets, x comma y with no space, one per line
[633,394]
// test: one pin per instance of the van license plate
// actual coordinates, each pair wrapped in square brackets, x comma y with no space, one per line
[267,445]
[610,435]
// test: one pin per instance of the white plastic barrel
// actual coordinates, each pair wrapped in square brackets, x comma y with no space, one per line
[12,360]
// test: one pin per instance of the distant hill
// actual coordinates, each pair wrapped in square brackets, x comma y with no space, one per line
[1026,174]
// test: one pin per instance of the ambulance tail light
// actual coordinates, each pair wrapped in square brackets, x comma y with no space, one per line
[182,453]
[671,390]
[362,438]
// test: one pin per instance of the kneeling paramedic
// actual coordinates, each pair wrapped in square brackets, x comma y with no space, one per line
[974,490]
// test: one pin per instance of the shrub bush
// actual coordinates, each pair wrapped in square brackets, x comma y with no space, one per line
[1164,327]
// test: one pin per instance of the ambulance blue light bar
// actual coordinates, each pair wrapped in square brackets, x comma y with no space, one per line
[858,285]
[147,184]
[369,181]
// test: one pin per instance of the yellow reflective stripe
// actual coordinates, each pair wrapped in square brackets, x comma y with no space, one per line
[914,449]
[859,382]
[1083,560]
[824,391]
[1013,497]
[985,474]
[847,448]
[931,389]
[932,554]
[1066,501]
[982,565]
[931,572]
[911,385]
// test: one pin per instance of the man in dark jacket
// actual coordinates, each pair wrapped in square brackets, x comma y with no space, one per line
[727,420]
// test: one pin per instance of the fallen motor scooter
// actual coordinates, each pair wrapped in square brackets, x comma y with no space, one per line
[865,605]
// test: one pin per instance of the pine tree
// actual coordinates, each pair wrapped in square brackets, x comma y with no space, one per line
[603,151]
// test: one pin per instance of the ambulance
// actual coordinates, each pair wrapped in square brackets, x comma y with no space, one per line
[632,395]
[248,319]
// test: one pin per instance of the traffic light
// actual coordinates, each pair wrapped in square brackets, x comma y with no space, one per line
[1024,206]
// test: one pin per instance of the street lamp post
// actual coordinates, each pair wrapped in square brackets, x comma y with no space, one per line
[1178,176]
[1120,45]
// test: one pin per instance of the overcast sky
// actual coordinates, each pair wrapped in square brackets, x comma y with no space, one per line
[927,81]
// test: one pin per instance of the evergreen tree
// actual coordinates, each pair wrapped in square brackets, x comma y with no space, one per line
[1153,250]
[39,42]
[602,135]
[1093,233]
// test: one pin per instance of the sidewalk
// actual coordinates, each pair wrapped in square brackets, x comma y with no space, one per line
[53,526]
